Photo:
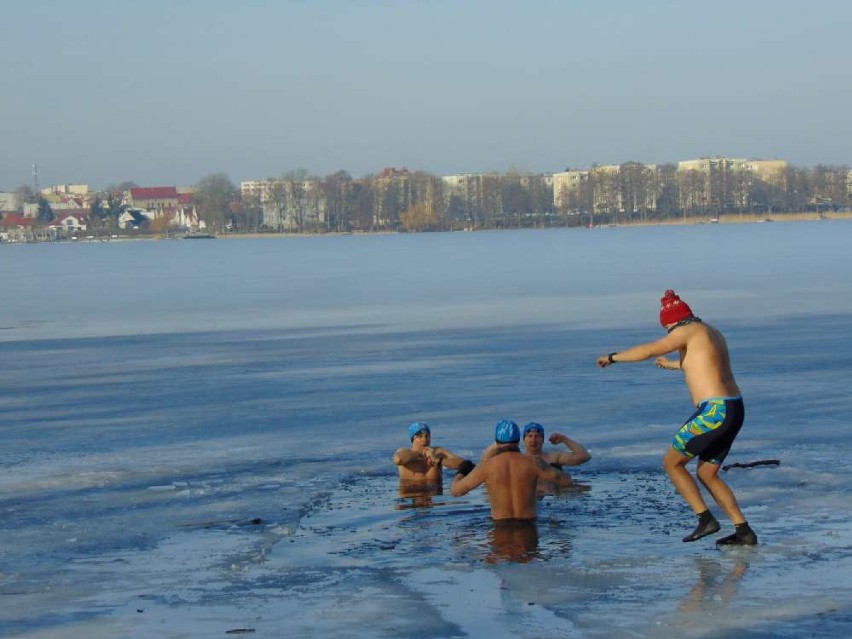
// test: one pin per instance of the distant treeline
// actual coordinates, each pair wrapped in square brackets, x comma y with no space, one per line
[402,200]
[627,193]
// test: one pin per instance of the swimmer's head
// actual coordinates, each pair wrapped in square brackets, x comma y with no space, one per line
[507,432]
[418,428]
[533,426]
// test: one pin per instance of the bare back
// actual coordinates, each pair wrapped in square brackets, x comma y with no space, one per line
[511,485]
[510,478]
[706,363]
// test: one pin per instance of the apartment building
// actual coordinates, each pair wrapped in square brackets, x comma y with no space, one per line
[287,204]
[723,183]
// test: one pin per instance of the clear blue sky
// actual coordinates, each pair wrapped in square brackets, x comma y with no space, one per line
[167,91]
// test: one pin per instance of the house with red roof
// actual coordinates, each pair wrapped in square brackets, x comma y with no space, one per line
[153,198]
[164,206]
[68,224]
[18,228]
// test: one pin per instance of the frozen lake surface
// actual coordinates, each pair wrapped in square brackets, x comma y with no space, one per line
[197,435]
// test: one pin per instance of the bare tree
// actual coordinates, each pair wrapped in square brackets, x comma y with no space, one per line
[741,188]
[541,198]
[607,193]
[250,212]
[830,190]
[668,194]
[214,194]
[360,204]
[636,193]
[335,188]
[298,201]
[692,187]
[426,189]
[491,200]
[25,194]
[276,198]
[798,188]
[515,198]
[720,185]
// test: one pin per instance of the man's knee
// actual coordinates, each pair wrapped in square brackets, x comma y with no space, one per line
[672,459]
[708,472]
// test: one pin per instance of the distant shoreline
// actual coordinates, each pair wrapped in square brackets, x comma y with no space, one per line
[727,218]
[748,218]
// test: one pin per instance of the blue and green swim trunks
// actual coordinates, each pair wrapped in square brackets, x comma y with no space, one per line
[712,428]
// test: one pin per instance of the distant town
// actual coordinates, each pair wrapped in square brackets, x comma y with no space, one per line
[400,200]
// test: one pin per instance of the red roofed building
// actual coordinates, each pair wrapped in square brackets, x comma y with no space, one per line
[17,228]
[154,198]
[69,223]
[165,207]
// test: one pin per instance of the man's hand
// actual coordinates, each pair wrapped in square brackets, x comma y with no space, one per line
[664,362]
[556,438]
[607,360]
[432,457]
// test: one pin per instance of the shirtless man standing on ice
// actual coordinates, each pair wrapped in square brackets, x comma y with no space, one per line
[712,428]
[510,477]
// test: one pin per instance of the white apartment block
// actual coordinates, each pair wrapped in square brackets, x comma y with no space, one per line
[564,184]
[287,205]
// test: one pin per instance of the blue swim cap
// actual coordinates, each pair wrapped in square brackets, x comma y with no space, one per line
[415,428]
[533,426]
[507,432]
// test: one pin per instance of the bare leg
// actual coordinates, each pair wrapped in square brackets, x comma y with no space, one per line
[675,466]
[709,475]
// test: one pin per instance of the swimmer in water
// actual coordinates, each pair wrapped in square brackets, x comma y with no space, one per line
[533,440]
[509,476]
[421,465]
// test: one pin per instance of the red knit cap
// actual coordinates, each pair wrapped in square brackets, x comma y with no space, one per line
[673,309]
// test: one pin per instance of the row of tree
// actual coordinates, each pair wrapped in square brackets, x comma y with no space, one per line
[636,192]
[417,201]
[633,192]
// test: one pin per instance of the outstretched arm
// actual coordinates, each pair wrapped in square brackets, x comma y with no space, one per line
[672,342]
[578,455]
[463,484]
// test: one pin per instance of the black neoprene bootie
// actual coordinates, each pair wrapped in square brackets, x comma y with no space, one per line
[743,536]
[707,525]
